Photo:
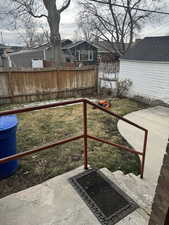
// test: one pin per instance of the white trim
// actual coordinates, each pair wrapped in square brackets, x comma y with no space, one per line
[44,54]
[78,55]
[9,61]
[88,54]
[142,61]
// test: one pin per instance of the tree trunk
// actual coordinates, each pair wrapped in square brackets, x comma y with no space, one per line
[55,39]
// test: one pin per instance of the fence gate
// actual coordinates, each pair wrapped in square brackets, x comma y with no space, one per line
[108,75]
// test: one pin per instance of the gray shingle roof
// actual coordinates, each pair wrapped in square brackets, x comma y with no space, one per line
[150,49]
[72,45]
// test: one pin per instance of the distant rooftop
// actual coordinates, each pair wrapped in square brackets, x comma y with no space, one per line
[107,47]
[150,49]
[23,51]
[74,44]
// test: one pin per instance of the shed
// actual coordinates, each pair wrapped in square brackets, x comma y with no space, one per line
[24,58]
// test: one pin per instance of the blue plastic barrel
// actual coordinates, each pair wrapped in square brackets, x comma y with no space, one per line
[8,126]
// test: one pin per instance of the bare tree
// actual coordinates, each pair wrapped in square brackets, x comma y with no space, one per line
[86,26]
[117,25]
[51,10]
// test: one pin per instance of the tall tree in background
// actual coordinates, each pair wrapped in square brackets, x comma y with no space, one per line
[114,24]
[50,10]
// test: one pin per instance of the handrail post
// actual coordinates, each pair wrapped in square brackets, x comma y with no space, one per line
[85,134]
[144,153]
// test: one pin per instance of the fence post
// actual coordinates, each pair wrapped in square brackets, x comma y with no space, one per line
[97,79]
[10,88]
[144,153]
[85,134]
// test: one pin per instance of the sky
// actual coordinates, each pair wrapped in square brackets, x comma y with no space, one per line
[68,27]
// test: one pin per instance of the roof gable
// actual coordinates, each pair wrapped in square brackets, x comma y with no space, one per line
[72,45]
[150,49]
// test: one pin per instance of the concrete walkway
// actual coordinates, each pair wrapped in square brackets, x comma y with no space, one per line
[156,120]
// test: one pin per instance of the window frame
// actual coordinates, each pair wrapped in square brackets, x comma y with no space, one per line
[89,54]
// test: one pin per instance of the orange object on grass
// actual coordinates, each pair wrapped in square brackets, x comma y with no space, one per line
[104,103]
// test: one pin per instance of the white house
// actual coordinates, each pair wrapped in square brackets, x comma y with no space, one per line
[146,64]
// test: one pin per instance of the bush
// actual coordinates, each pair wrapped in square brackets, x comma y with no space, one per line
[123,87]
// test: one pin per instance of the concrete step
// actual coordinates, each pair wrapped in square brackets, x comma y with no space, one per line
[138,189]
[55,202]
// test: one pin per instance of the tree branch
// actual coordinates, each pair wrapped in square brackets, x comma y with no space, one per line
[64,6]
[114,19]
[24,6]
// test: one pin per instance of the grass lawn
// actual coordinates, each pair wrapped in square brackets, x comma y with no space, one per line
[43,126]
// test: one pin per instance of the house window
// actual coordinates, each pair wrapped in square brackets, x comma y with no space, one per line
[85,55]
[90,55]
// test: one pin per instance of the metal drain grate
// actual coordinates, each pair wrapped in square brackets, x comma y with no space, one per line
[103,197]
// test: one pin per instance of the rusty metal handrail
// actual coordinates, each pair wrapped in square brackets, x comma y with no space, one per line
[143,154]
[85,135]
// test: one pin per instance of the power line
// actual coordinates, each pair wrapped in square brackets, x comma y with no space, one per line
[127,7]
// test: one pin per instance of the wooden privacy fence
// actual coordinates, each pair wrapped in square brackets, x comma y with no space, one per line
[17,86]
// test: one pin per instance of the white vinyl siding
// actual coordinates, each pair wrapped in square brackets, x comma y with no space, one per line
[150,79]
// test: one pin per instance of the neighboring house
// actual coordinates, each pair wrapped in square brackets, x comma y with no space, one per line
[82,52]
[79,52]
[147,65]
